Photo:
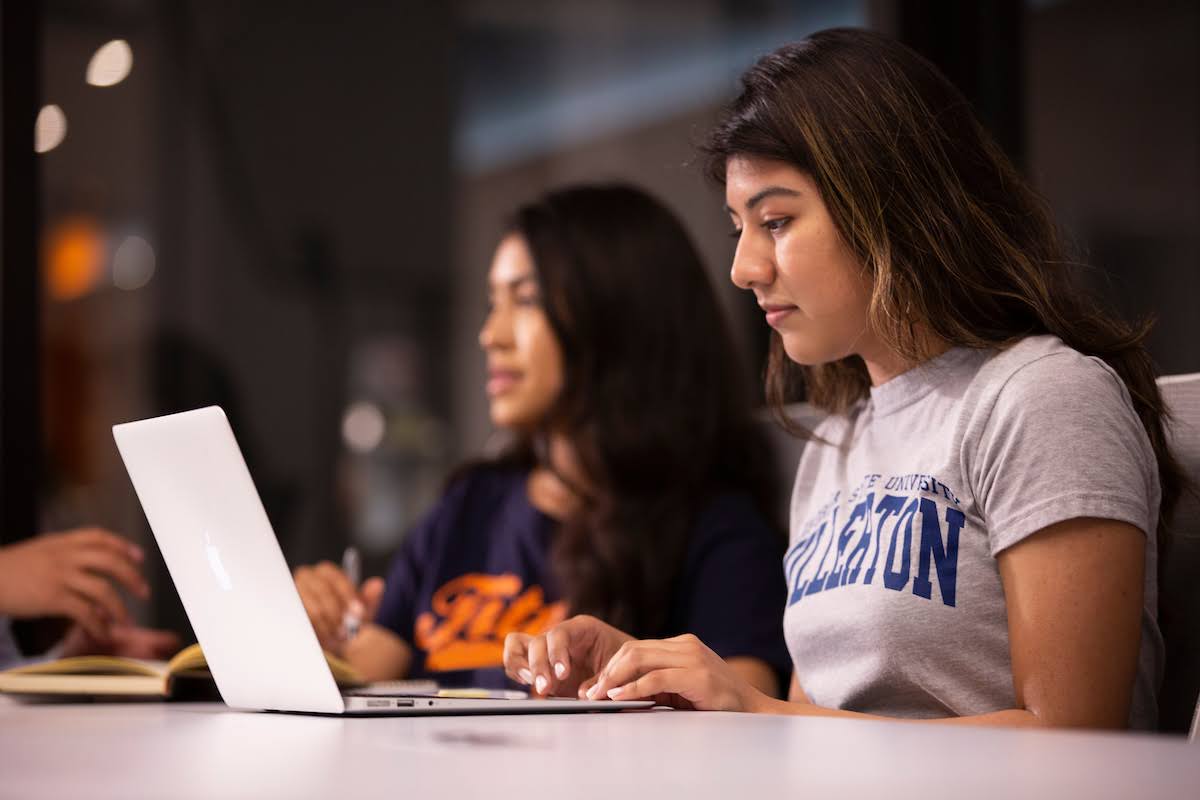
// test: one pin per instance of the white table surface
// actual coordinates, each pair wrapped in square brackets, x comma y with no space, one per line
[205,750]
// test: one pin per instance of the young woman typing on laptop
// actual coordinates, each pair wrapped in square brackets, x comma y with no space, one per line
[636,488]
[973,528]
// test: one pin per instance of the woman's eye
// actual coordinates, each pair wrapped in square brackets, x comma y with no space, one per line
[735,233]
[776,225]
[529,301]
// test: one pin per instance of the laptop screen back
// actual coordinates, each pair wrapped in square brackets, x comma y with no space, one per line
[222,554]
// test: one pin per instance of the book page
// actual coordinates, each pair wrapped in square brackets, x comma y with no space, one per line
[94,665]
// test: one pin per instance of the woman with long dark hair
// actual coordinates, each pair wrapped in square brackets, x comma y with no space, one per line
[635,489]
[973,528]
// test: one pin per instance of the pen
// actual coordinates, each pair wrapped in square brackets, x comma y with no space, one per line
[352,567]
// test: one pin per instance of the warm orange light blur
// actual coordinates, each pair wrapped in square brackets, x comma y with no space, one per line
[73,258]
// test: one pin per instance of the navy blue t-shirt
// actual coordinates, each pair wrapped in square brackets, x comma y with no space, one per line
[478,567]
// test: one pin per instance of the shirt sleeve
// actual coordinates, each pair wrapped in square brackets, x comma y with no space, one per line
[1062,441]
[406,576]
[10,654]
[732,588]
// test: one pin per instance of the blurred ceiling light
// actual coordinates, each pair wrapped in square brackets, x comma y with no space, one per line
[363,427]
[133,264]
[50,129]
[74,258]
[110,64]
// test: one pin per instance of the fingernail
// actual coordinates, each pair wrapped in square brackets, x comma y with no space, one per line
[560,669]
[613,694]
[136,552]
[540,684]
[591,693]
[526,676]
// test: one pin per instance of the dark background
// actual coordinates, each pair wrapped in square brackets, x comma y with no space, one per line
[322,184]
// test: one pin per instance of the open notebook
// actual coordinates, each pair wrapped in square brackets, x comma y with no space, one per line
[131,677]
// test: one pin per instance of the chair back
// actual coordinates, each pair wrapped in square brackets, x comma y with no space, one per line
[1179,569]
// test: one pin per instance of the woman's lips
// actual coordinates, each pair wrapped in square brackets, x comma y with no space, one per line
[776,314]
[501,381]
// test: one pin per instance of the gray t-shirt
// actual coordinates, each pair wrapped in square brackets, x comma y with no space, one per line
[895,604]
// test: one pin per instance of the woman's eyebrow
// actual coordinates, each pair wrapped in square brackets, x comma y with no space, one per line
[770,191]
[512,284]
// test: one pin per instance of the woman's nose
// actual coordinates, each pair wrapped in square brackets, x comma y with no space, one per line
[751,267]
[492,334]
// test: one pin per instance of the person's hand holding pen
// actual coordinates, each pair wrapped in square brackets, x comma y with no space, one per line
[336,604]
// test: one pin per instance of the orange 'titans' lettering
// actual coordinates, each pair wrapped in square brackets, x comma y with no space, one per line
[473,613]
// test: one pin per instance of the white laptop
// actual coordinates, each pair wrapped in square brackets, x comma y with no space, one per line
[235,586]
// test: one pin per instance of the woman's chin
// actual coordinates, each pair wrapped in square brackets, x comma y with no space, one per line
[808,353]
[505,417]
[499,419]
[804,353]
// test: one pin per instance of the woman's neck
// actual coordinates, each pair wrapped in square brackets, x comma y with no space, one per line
[553,487]
[884,363]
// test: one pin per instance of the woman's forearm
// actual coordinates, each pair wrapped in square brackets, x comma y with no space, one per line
[757,673]
[1012,718]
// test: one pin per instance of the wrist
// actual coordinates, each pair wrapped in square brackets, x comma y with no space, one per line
[765,704]
[755,701]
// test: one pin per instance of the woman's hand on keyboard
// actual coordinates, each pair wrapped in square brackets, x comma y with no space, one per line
[564,660]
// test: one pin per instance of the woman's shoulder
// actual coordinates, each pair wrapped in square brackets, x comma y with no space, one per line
[1053,436]
[1041,391]
[730,515]
[482,484]
[731,536]
[472,501]
[1042,368]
